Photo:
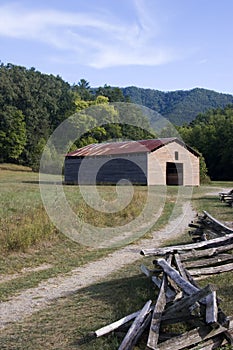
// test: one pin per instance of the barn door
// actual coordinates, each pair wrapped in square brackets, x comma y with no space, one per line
[174,174]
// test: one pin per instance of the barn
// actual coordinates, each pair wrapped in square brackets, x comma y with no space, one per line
[165,161]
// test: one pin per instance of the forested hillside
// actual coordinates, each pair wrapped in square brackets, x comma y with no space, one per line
[178,106]
[33,104]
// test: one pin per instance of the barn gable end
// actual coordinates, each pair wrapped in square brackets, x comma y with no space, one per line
[173,165]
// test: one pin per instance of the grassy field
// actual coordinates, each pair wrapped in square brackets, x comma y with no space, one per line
[28,239]
[24,222]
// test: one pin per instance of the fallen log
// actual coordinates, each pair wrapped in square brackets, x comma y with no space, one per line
[211,344]
[185,303]
[211,309]
[132,335]
[191,337]
[186,286]
[218,223]
[210,261]
[117,324]
[180,266]
[211,270]
[205,252]
[212,243]
[157,315]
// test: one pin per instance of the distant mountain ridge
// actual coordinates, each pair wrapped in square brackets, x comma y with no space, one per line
[181,106]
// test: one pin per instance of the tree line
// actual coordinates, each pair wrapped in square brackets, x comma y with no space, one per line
[33,104]
[211,133]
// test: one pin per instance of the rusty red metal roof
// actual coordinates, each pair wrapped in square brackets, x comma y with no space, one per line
[124,147]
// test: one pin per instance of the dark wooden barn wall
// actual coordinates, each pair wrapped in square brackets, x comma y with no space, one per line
[107,170]
[71,170]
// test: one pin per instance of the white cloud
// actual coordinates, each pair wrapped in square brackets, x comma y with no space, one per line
[99,40]
[118,56]
[203,61]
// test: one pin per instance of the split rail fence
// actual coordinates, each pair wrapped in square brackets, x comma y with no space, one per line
[226,197]
[180,300]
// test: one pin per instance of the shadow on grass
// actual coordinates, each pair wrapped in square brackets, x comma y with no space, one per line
[120,297]
[70,321]
[37,182]
[207,199]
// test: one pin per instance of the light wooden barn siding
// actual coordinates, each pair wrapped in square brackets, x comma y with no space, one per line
[157,164]
[107,169]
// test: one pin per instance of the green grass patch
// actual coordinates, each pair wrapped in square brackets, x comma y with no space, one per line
[204,200]
[66,323]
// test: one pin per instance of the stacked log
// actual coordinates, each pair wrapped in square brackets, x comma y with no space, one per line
[186,302]
[176,270]
[226,197]
[207,227]
[201,258]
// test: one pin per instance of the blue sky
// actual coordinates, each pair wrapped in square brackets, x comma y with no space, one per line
[160,44]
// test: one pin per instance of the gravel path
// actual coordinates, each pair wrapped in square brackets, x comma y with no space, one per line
[38,298]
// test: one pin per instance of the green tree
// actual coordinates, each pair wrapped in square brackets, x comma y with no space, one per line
[204,177]
[84,90]
[212,134]
[114,94]
[12,133]
[45,101]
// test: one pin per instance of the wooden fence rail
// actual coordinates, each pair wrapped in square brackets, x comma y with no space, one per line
[175,272]
[227,197]
[207,227]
